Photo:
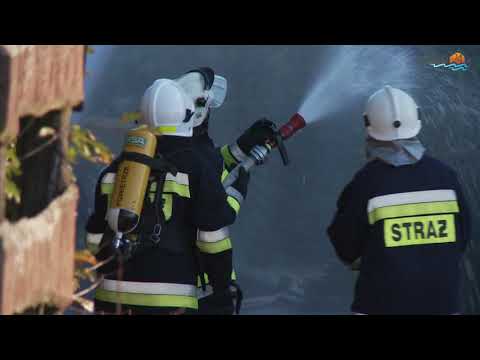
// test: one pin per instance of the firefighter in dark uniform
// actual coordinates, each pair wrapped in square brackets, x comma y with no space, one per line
[160,274]
[198,83]
[403,221]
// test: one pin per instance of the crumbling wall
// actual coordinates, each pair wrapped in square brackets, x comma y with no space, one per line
[36,257]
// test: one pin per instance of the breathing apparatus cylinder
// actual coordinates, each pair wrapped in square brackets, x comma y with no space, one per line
[131,183]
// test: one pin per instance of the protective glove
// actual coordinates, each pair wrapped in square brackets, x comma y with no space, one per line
[258,134]
[241,183]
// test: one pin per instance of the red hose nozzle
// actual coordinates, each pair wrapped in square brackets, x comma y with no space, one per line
[296,123]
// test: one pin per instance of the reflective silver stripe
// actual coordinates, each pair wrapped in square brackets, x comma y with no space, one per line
[208,291]
[237,153]
[180,178]
[411,198]
[149,288]
[235,194]
[94,239]
[213,236]
[108,178]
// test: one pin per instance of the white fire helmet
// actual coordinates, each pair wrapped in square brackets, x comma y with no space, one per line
[167,108]
[206,89]
[392,114]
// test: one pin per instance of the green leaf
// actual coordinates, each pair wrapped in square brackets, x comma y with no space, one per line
[13,170]
[85,256]
[12,191]
[71,154]
[84,143]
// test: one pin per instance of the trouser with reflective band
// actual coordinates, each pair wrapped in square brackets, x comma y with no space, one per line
[416,218]
[212,243]
[208,288]
[151,295]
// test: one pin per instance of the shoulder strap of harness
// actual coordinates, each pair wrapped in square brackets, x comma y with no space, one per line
[157,164]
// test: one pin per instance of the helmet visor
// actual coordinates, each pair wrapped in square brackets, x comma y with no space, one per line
[218,91]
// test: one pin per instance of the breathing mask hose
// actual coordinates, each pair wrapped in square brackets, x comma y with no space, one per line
[258,154]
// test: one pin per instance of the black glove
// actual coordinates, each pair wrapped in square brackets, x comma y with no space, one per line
[258,134]
[241,184]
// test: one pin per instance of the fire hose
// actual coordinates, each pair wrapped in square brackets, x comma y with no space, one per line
[259,153]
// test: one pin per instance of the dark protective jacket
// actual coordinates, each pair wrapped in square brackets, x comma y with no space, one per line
[194,201]
[409,226]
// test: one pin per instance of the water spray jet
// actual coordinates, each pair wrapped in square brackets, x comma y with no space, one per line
[355,73]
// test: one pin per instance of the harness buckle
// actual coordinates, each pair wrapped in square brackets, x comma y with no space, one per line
[155,237]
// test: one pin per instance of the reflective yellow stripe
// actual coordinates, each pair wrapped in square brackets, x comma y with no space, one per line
[173,187]
[419,230]
[167,207]
[412,197]
[216,247]
[233,203]
[440,207]
[106,188]
[153,186]
[146,299]
[224,174]
[132,237]
[199,282]
[227,157]
[166,129]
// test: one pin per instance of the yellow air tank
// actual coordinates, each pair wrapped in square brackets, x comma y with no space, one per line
[131,182]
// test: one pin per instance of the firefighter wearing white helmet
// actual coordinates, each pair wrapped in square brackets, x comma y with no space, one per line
[403,221]
[208,91]
[182,199]
[392,114]
[168,109]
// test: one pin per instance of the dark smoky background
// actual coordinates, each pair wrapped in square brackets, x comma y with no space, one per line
[282,255]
